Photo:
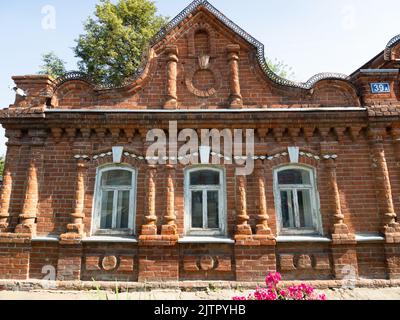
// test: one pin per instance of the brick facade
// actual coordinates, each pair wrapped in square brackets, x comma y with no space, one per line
[204,73]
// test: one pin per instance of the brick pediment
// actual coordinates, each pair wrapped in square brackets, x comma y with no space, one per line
[202,60]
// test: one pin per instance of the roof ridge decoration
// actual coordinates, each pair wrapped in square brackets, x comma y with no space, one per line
[390,45]
[193,6]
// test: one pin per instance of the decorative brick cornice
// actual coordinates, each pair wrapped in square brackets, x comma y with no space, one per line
[389,47]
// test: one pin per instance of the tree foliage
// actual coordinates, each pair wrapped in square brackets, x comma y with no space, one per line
[52,65]
[280,68]
[114,40]
[111,48]
[2,162]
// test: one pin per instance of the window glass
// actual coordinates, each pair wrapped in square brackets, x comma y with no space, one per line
[107,209]
[305,210]
[212,209]
[204,177]
[197,209]
[294,176]
[116,178]
[123,210]
[287,207]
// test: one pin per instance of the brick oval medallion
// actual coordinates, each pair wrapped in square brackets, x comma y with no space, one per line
[207,263]
[190,77]
[304,262]
[109,263]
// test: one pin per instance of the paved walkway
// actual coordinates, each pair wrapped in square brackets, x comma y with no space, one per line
[356,294]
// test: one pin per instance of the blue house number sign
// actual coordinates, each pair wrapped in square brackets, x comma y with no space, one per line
[380,88]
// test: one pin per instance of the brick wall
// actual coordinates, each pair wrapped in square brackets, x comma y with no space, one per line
[285,116]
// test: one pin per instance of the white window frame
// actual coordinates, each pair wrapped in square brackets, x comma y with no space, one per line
[315,201]
[97,199]
[222,217]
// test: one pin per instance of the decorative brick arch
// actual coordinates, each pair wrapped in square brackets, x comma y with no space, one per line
[280,157]
[74,93]
[198,27]
[343,91]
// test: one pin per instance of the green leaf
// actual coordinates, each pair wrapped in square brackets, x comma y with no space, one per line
[115,38]
[52,65]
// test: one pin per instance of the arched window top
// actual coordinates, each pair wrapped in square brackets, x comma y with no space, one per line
[205,177]
[117,177]
[294,176]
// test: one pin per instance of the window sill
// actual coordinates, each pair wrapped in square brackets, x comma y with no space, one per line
[110,239]
[292,239]
[48,238]
[216,240]
[369,237]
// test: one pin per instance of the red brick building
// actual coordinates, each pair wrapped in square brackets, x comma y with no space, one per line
[80,195]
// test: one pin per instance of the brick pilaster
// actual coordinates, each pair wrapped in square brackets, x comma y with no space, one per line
[27,218]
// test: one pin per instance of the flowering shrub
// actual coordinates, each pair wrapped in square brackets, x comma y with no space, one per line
[274,292]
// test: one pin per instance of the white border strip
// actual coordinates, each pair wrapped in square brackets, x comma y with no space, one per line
[300,239]
[189,240]
[205,110]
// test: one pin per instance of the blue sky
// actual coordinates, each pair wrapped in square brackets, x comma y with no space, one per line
[311,36]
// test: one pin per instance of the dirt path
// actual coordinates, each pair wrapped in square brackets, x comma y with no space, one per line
[356,294]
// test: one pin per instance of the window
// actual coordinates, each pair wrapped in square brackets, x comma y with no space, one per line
[296,201]
[205,202]
[115,201]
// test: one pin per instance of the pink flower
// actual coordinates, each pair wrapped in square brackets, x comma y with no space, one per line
[273,292]
[273,279]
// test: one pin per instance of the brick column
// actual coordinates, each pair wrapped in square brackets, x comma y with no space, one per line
[391,228]
[254,254]
[159,254]
[233,60]
[262,226]
[5,198]
[172,73]
[150,226]
[340,231]
[13,145]
[76,227]
[344,253]
[170,228]
[27,218]
[243,228]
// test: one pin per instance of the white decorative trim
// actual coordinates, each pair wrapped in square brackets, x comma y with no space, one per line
[205,152]
[330,156]
[250,110]
[49,238]
[294,154]
[206,158]
[117,154]
[78,156]
[369,237]
[291,239]
[110,239]
[189,240]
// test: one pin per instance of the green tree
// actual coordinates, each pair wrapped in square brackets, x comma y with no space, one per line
[280,68]
[114,40]
[52,65]
[1,166]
